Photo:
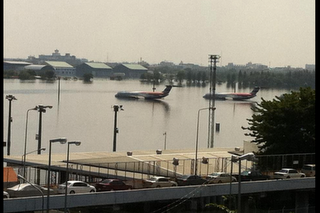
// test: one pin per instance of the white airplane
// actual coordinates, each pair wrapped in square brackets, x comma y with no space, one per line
[144,94]
[233,95]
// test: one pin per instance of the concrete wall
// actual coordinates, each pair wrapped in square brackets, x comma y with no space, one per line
[158,194]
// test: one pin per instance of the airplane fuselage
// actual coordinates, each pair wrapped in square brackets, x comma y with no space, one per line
[233,95]
[144,94]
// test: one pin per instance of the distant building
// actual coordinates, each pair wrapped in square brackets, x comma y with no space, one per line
[39,69]
[17,66]
[62,69]
[130,70]
[56,56]
[97,69]
[310,67]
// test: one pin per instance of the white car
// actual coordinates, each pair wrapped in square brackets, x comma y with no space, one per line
[220,177]
[288,173]
[158,181]
[5,195]
[76,186]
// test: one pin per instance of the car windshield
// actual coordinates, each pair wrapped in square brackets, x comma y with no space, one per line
[152,179]
[106,181]
[245,173]
[65,183]
[215,174]
[283,171]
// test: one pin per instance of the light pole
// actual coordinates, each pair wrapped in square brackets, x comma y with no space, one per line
[250,157]
[115,130]
[165,140]
[10,99]
[197,138]
[25,140]
[41,109]
[62,141]
[24,160]
[21,177]
[77,143]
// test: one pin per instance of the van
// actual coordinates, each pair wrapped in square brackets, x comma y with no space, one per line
[309,170]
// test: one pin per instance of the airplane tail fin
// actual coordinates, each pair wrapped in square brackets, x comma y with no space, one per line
[167,89]
[255,90]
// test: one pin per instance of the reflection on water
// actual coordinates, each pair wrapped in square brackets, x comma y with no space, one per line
[84,112]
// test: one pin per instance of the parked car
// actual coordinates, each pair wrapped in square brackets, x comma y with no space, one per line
[190,180]
[253,175]
[220,177]
[27,190]
[5,195]
[158,181]
[111,184]
[309,170]
[288,173]
[76,186]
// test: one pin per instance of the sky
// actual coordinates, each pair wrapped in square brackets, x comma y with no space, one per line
[276,33]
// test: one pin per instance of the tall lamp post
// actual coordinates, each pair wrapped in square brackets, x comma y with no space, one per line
[62,141]
[41,109]
[21,177]
[10,99]
[197,138]
[77,143]
[25,140]
[250,157]
[24,159]
[115,130]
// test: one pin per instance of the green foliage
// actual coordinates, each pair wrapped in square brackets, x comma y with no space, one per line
[286,124]
[87,77]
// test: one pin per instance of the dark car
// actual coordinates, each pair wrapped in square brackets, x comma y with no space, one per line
[112,184]
[185,180]
[253,175]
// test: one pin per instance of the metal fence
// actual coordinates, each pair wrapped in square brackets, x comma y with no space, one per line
[170,168]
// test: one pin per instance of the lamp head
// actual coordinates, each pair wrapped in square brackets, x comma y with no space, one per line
[10,97]
[77,143]
[62,140]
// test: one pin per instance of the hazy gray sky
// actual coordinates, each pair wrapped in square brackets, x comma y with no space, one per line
[271,32]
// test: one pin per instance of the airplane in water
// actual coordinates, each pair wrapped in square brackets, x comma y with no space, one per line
[233,95]
[144,94]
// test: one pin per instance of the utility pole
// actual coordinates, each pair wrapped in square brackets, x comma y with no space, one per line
[213,59]
[10,99]
[115,130]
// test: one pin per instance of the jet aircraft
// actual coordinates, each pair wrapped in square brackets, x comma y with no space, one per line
[144,94]
[233,95]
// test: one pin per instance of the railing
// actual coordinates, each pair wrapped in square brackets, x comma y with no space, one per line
[145,169]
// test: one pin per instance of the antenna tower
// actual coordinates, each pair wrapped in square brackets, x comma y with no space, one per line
[213,59]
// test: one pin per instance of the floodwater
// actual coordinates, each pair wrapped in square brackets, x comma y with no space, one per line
[84,112]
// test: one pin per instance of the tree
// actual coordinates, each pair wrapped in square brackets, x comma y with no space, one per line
[87,77]
[286,124]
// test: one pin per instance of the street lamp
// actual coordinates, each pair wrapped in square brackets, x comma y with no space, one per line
[77,143]
[62,141]
[10,99]
[41,109]
[24,159]
[21,177]
[115,130]
[197,138]
[25,140]
[250,157]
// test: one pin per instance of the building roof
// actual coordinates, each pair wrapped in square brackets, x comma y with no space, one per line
[98,65]
[34,67]
[135,67]
[17,62]
[60,64]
